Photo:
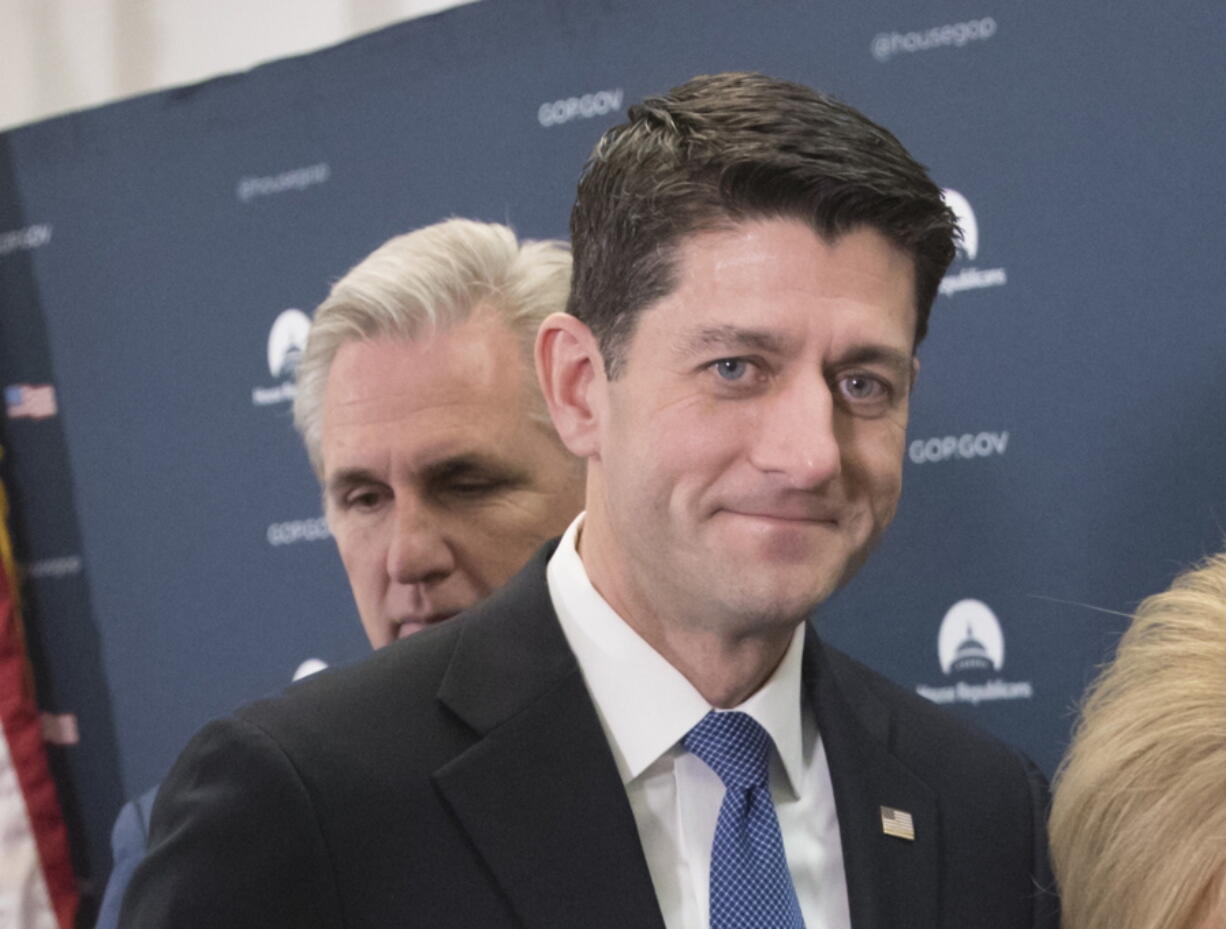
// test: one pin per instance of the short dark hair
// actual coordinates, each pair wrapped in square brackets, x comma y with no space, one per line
[731,147]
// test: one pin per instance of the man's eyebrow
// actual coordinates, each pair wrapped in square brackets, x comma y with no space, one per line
[455,467]
[881,355]
[458,466]
[738,338]
[351,477]
[468,464]
[729,337]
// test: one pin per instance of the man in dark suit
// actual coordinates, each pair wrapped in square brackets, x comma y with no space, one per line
[641,730]
[421,415]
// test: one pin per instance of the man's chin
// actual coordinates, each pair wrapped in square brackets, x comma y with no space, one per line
[772,599]
[776,543]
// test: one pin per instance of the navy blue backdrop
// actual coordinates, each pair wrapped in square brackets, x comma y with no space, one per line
[1068,436]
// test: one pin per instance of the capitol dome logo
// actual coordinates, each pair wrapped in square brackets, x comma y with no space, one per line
[971,650]
[969,244]
[967,277]
[286,341]
[309,667]
[970,639]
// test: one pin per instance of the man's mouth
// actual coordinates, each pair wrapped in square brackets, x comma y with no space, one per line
[406,627]
[799,511]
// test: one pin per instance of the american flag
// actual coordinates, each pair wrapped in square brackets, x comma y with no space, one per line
[30,401]
[38,889]
[897,823]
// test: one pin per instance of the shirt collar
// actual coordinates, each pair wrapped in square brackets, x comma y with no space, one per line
[645,705]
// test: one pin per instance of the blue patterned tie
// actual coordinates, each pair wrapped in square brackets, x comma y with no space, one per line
[750,884]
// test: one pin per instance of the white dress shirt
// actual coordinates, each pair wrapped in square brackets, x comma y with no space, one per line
[646,706]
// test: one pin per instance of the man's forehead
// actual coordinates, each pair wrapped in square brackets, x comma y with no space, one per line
[416,403]
[732,243]
[765,285]
[467,371]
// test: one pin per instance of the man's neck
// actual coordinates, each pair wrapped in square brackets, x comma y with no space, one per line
[725,672]
[725,662]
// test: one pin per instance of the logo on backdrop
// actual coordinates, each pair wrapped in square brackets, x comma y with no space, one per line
[963,275]
[309,667]
[971,651]
[30,401]
[286,341]
[293,531]
[22,240]
[600,103]
[958,447]
[886,45]
[55,568]
[294,179]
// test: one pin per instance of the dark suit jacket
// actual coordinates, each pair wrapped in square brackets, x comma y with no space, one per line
[461,778]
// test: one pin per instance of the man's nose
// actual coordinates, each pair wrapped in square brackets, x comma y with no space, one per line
[420,550]
[797,437]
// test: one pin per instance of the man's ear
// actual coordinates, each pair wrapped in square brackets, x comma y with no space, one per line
[572,377]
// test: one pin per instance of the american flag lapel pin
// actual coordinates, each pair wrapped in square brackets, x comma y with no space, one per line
[897,823]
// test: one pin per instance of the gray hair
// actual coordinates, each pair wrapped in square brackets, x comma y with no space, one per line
[426,280]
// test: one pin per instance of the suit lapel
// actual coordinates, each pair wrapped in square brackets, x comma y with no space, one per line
[892,883]
[539,794]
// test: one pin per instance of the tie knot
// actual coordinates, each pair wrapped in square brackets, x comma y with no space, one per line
[734,746]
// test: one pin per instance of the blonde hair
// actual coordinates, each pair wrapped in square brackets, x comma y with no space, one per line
[1138,821]
[425,280]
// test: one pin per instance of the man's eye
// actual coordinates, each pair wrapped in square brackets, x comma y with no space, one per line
[862,388]
[363,500]
[731,369]
[474,488]
[470,489]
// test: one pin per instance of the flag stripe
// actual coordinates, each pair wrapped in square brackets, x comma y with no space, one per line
[37,884]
